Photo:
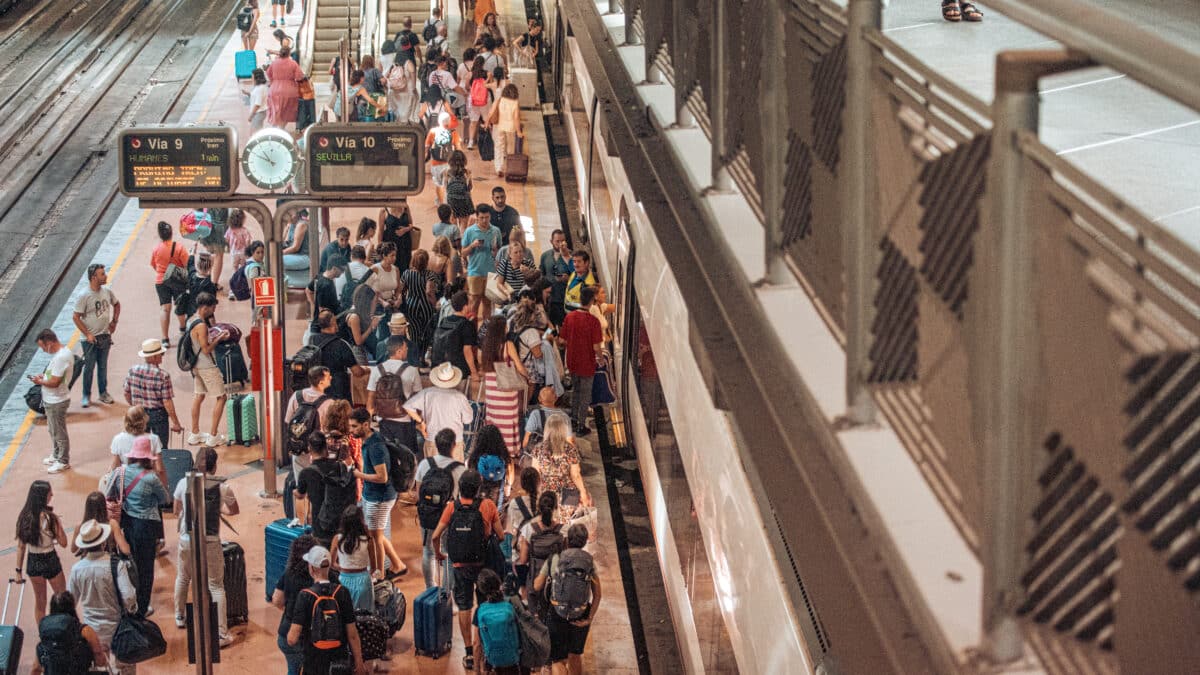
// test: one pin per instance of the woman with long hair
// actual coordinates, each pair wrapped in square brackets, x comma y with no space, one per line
[557,460]
[490,26]
[520,511]
[65,640]
[458,189]
[490,443]
[421,287]
[95,507]
[503,405]
[401,83]
[386,280]
[445,262]
[39,532]
[358,323]
[294,579]
[339,441]
[365,236]
[505,117]
[352,551]
[477,106]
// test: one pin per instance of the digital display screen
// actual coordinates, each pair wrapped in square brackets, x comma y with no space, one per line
[365,158]
[160,160]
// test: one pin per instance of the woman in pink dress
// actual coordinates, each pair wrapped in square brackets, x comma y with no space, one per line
[283,97]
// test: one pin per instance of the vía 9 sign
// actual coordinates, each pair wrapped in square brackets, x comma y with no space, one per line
[158,161]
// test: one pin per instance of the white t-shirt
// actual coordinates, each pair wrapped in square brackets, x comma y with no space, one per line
[411,378]
[258,97]
[442,409]
[442,462]
[514,517]
[62,363]
[122,445]
[95,309]
[357,270]
[228,500]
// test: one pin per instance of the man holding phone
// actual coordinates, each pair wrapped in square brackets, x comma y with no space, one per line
[56,397]
[479,245]
[556,267]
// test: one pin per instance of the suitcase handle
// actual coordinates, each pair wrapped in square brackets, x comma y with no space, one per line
[20,602]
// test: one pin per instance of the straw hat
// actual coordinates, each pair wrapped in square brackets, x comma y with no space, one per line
[398,322]
[92,534]
[152,347]
[446,376]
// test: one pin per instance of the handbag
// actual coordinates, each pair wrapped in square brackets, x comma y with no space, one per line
[33,399]
[114,496]
[586,516]
[137,638]
[507,377]
[497,290]
[602,393]
[175,277]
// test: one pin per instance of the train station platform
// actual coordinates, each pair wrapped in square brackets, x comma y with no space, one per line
[24,439]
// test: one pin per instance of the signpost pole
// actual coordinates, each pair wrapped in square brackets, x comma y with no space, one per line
[267,347]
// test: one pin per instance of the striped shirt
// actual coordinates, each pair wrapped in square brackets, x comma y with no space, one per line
[148,386]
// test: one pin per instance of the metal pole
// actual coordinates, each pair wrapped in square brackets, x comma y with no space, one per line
[313,232]
[721,181]
[860,239]
[631,37]
[202,612]
[344,77]
[774,92]
[1005,337]
[614,6]
[266,357]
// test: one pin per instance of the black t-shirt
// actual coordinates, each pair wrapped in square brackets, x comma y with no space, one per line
[311,485]
[505,220]
[326,297]
[291,587]
[530,40]
[318,661]
[462,335]
[337,357]
[403,242]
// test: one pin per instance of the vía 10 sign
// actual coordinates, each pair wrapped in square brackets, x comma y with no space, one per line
[156,161]
[383,159]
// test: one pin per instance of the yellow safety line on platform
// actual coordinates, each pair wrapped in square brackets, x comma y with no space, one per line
[23,431]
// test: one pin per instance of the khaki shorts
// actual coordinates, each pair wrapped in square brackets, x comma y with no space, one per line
[476,286]
[208,381]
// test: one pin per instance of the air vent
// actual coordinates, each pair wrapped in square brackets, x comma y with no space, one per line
[814,628]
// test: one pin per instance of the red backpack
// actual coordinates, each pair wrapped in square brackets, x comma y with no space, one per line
[479,92]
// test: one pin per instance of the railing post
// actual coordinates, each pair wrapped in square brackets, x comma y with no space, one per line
[721,181]
[614,6]
[774,97]
[631,37]
[201,599]
[1005,338]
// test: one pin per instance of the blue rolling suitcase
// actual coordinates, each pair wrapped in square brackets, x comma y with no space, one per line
[244,63]
[176,463]
[279,542]
[433,618]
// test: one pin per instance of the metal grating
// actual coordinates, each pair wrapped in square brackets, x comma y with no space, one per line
[828,100]
[1164,469]
[797,191]
[894,330]
[1070,580]
[951,189]
[684,57]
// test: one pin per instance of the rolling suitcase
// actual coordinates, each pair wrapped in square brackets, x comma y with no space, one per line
[176,463]
[372,634]
[12,638]
[516,165]
[244,63]
[241,419]
[232,364]
[237,605]
[279,541]
[433,618]
[527,87]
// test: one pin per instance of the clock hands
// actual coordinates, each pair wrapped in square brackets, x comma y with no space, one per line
[265,158]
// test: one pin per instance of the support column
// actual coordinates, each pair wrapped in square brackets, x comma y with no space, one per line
[860,239]
[201,598]
[721,181]
[774,98]
[1004,339]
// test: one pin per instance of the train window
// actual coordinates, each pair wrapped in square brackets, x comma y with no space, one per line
[715,647]
[601,216]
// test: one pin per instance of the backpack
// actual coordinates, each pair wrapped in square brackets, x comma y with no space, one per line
[440,350]
[186,354]
[498,631]
[239,285]
[545,543]
[443,140]
[535,637]
[298,366]
[458,189]
[389,393]
[245,19]
[571,584]
[465,540]
[212,512]
[479,92]
[430,32]
[304,421]
[397,79]
[389,47]
[402,465]
[436,487]
[196,225]
[346,299]
[62,650]
[338,495]
[326,632]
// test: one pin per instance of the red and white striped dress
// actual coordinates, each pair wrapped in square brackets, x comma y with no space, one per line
[503,410]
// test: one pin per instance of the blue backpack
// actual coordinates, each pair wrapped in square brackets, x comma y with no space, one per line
[498,632]
[491,468]
[239,285]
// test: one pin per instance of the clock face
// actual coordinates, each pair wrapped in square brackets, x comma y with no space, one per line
[269,159]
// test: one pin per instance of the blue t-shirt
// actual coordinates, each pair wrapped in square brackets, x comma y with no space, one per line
[482,260]
[375,452]
[447,230]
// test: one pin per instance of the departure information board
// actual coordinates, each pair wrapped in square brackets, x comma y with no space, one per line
[156,161]
[376,158]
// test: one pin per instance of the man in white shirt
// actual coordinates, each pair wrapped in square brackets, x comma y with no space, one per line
[445,441]
[387,403]
[56,397]
[441,406]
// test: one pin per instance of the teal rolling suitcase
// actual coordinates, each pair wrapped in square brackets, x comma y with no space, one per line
[241,419]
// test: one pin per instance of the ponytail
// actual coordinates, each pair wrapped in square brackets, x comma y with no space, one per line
[547,504]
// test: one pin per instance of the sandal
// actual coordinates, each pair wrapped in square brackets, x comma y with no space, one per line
[970,12]
[469,662]
[951,10]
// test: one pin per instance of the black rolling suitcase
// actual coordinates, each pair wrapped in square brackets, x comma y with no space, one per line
[12,638]
[237,605]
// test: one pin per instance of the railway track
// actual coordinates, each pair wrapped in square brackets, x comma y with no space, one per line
[123,62]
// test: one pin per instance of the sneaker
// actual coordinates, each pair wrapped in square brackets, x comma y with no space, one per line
[225,641]
[232,297]
[149,612]
[58,467]
[85,402]
[471,145]
[273,24]
[213,441]
[166,343]
[49,460]
[106,399]
[179,622]
[196,439]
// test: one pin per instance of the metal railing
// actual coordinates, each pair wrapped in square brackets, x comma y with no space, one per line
[306,36]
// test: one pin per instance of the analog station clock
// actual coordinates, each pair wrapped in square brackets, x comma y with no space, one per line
[269,159]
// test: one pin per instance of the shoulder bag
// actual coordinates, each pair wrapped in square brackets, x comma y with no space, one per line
[175,277]
[137,638]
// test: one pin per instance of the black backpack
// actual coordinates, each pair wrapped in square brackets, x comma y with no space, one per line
[458,189]
[326,632]
[402,465]
[245,19]
[338,496]
[304,421]
[440,352]
[430,32]
[571,584]
[436,487]
[186,354]
[62,650]
[465,541]
[346,299]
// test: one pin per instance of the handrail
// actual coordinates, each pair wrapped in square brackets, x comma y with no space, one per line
[307,35]
[1148,57]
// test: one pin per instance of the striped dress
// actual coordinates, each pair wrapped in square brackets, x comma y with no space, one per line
[503,410]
